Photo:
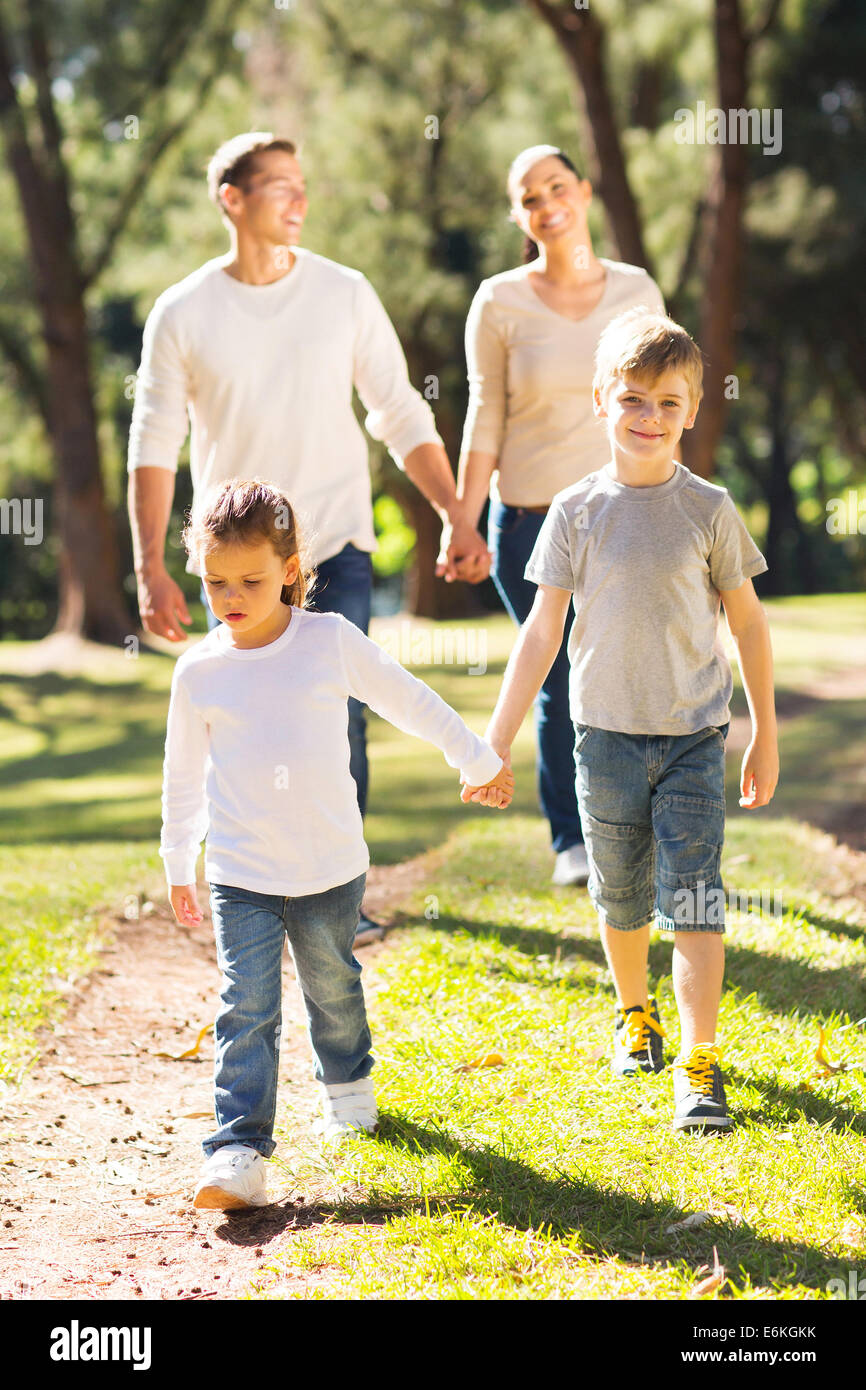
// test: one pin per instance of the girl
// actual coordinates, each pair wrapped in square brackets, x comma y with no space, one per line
[257,757]
[531,336]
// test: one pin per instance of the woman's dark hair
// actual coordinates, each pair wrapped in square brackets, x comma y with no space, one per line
[530,248]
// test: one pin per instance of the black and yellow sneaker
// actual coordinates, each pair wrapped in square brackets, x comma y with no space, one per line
[637,1040]
[699,1095]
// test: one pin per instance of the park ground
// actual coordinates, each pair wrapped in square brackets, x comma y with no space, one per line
[509,1163]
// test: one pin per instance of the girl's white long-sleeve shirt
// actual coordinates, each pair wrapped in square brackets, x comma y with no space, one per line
[257,754]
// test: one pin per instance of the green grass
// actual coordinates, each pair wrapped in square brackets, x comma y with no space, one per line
[541,1177]
[548,1178]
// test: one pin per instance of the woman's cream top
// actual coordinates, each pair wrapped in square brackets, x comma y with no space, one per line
[530,380]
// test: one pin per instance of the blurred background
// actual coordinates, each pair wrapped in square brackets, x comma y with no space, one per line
[407,120]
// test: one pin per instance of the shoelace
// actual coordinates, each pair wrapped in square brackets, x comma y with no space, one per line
[636,1029]
[356,1105]
[698,1067]
[238,1163]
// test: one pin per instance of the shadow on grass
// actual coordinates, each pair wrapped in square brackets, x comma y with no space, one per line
[785,1104]
[781,984]
[607,1222]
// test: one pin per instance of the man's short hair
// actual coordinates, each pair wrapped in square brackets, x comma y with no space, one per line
[642,342]
[236,160]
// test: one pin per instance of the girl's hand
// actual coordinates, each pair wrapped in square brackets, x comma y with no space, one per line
[184,904]
[496,793]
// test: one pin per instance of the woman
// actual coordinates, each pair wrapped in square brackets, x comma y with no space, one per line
[531,336]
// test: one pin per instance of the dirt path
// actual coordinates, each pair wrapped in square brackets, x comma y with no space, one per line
[102,1141]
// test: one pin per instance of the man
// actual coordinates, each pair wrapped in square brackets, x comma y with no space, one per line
[259,350]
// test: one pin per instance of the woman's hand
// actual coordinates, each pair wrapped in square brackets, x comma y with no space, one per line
[463,554]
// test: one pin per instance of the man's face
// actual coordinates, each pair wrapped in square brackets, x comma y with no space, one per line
[646,417]
[272,204]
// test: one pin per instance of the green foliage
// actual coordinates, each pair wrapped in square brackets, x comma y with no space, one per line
[426,218]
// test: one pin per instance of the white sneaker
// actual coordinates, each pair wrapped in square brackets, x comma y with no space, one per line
[571,866]
[350,1109]
[231,1179]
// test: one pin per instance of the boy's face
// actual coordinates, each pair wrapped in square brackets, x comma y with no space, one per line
[646,417]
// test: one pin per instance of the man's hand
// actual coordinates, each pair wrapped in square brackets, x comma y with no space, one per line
[760,773]
[162,606]
[498,792]
[184,904]
[463,554]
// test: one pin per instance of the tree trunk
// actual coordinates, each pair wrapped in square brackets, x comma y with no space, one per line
[581,36]
[786,549]
[90,600]
[721,259]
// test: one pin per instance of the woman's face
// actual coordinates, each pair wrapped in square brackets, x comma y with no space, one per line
[549,202]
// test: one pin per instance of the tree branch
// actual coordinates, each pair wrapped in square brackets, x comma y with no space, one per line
[20,358]
[763,28]
[127,199]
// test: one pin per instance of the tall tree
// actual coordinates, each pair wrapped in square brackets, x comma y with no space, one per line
[130,59]
[716,249]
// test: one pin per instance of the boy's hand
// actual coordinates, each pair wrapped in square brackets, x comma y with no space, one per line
[184,904]
[760,772]
[497,792]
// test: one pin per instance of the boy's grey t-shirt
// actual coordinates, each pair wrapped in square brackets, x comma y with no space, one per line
[645,565]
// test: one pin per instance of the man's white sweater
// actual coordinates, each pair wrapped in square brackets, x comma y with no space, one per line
[263,375]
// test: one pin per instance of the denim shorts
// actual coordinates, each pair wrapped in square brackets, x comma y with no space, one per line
[652,807]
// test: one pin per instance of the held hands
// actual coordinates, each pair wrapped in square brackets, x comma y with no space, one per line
[496,793]
[184,904]
[463,554]
[760,772]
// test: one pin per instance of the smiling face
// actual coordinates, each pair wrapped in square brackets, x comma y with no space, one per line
[243,583]
[272,204]
[549,202]
[645,418]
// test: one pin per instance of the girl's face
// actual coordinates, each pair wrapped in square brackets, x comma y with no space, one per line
[549,202]
[243,582]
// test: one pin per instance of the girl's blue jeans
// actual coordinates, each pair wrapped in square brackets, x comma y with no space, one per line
[511,536]
[250,929]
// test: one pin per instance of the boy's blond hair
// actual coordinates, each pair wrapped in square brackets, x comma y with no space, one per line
[643,343]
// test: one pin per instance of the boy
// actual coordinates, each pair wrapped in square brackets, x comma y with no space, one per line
[648,550]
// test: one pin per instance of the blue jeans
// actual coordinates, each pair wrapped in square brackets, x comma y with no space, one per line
[250,928]
[344,584]
[512,533]
[653,814]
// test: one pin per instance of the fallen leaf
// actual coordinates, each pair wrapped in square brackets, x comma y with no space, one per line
[697,1218]
[714,1281]
[196,1115]
[190,1052]
[492,1059]
[829,1068]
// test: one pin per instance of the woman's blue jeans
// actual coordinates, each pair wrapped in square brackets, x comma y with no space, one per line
[344,584]
[250,929]
[511,536]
